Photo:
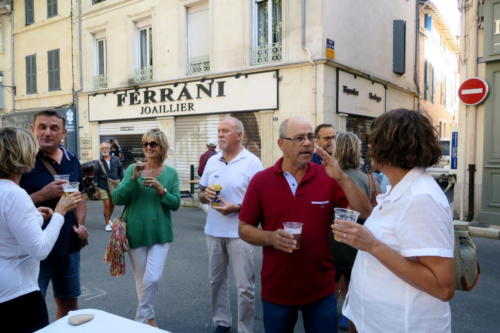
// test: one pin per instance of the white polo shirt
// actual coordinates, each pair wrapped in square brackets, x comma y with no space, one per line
[414,218]
[234,177]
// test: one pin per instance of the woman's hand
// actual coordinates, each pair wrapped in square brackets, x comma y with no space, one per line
[46,212]
[68,202]
[354,234]
[139,166]
[153,183]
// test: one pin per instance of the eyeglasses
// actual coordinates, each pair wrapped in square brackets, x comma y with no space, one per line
[301,138]
[328,138]
[152,144]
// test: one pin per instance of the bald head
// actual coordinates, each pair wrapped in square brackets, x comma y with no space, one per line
[285,125]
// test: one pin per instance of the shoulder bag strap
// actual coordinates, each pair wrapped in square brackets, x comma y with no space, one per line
[48,166]
[103,168]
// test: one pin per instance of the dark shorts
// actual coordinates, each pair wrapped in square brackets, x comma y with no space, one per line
[64,272]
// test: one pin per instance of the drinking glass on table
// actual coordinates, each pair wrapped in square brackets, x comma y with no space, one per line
[346,215]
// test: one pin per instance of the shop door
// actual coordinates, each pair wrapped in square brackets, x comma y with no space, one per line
[193,133]
[361,127]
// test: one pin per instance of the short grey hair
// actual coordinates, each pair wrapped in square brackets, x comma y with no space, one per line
[18,149]
[238,124]
[284,128]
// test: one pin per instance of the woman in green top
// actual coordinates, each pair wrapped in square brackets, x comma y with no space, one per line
[149,191]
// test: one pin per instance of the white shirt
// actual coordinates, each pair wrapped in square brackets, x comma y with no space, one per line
[234,177]
[23,243]
[414,219]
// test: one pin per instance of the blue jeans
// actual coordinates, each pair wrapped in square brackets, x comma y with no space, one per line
[319,317]
[64,272]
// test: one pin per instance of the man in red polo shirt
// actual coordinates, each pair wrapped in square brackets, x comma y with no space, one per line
[296,190]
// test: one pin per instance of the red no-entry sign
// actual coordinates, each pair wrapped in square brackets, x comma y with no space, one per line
[473,91]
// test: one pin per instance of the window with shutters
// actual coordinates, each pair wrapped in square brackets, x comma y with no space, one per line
[144,71]
[29,12]
[100,77]
[31,74]
[267,34]
[96,1]
[428,22]
[54,70]
[198,38]
[51,8]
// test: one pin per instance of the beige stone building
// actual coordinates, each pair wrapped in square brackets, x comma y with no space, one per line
[40,63]
[477,193]
[7,85]
[183,65]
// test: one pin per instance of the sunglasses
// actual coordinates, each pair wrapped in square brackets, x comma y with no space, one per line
[152,144]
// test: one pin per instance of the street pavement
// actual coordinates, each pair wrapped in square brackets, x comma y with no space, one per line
[183,303]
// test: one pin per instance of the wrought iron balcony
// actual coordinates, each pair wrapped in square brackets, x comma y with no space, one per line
[143,74]
[100,81]
[198,65]
[266,53]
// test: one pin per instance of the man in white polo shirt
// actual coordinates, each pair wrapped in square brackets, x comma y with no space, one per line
[234,167]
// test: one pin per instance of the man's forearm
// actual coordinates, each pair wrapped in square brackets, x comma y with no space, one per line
[81,212]
[252,235]
[357,199]
[37,197]
[202,197]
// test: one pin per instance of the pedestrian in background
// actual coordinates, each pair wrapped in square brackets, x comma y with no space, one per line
[108,172]
[23,243]
[115,149]
[62,266]
[295,189]
[233,167]
[348,156]
[149,191]
[403,275]
[212,143]
[325,138]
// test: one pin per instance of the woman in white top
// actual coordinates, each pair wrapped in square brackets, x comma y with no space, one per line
[23,243]
[403,275]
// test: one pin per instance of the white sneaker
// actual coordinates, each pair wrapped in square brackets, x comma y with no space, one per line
[108,227]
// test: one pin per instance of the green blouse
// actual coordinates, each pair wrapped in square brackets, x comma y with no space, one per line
[147,213]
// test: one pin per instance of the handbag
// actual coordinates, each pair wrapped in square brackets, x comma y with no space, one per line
[467,269]
[117,246]
[83,242]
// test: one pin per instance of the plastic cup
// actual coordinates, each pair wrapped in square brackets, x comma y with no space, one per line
[70,187]
[61,177]
[346,215]
[294,228]
[146,173]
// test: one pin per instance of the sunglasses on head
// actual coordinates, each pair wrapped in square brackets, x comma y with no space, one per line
[152,144]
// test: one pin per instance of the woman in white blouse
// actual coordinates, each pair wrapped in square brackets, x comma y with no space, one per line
[403,275]
[23,243]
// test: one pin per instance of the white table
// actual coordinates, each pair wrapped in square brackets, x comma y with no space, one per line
[103,322]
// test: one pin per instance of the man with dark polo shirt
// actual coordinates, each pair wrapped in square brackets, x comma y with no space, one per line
[295,189]
[325,139]
[62,266]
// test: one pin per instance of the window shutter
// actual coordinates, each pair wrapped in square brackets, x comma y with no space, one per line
[399,47]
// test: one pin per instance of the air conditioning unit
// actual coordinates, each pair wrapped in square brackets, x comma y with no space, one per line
[5,6]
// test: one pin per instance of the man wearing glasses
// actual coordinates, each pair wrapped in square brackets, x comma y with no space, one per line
[325,139]
[295,189]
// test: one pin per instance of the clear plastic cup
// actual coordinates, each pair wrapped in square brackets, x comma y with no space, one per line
[294,228]
[70,187]
[346,215]
[61,177]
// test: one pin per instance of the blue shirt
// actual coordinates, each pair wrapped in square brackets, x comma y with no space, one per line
[37,178]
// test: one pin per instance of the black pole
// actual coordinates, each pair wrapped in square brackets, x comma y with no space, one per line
[472,170]
[191,177]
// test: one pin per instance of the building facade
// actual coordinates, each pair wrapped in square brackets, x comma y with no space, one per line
[183,65]
[478,189]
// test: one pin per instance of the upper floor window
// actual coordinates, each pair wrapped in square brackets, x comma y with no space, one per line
[29,12]
[428,22]
[53,70]
[267,36]
[31,74]
[51,8]
[96,1]
[198,37]
[144,71]
[100,78]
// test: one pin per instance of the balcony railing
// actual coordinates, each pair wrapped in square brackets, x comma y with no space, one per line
[100,81]
[266,53]
[143,74]
[198,65]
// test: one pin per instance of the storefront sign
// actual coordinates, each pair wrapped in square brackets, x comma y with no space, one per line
[359,96]
[242,92]
[330,49]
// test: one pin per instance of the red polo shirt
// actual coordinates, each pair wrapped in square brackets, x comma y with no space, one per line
[307,274]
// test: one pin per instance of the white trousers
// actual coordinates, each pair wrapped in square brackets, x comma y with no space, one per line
[240,254]
[148,263]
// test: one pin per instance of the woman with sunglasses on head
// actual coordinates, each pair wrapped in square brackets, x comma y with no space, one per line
[149,191]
